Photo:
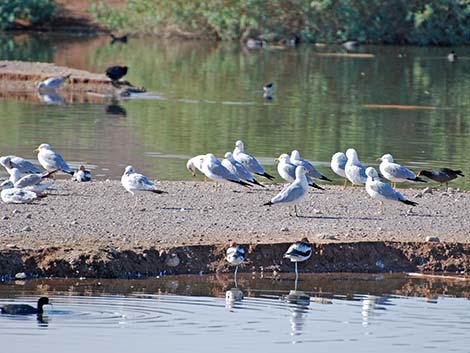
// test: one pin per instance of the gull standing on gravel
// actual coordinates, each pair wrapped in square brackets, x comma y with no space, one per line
[213,169]
[137,183]
[30,182]
[298,252]
[287,171]
[383,191]
[395,172]
[195,163]
[10,194]
[293,193]
[24,166]
[354,170]
[248,161]
[443,175]
[235,255]
[296,160]
[52,83]
[338,163]
[51,160]
[238,169]
[81,175]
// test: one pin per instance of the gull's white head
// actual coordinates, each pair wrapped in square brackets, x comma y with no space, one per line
[371,173]
[43,146]
[211,157]
[387,158]
[295,155]
[5,161]
[284,158]
[300,172]
[338,157]
[129,170]
[229,156]
[351,154]
[190,167]
[239,144]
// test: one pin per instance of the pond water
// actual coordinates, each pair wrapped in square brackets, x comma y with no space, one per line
[407,101]
[334,313]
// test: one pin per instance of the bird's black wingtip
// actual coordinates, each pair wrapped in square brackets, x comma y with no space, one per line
[316,186]
[408,202]
[268,176]
[419,180]
[269,203]
[325,178]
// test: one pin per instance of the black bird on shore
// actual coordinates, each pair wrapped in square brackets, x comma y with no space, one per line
[443,175]
[115,73]
[121,39]
[25,309]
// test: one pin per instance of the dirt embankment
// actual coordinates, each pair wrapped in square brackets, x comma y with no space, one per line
[94,230]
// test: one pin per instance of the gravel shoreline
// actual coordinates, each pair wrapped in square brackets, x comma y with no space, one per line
[100,218]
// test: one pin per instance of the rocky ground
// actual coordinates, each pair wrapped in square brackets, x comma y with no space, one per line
[94,229]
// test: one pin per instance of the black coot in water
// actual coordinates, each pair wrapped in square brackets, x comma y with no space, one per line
[24,309]
[116,72]
[122,39]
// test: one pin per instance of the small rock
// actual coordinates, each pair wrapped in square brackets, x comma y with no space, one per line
[418,195]
[172,260]
[74,223]
[431,239]
[29,215]
[15,211]
[284,229]
[427,190]
[26,229]
[20,275]
[5,218]
[380,264]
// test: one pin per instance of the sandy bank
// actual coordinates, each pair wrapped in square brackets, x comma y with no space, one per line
[93,229]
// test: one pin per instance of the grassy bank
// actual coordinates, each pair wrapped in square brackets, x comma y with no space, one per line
[436,22]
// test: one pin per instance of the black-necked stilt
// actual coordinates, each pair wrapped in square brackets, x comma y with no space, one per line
[25,309]
[235,255]
[451,57]
[81,174]
[298,252]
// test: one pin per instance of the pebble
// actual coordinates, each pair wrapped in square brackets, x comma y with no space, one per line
[29,215]
[172,260]
[5,218]
[15,211]
[284,229]
[20,275]
[26,229]
[74,223]
[427,190]
[431,239]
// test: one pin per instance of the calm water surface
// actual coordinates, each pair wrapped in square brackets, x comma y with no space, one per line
[204,96]
[206,314]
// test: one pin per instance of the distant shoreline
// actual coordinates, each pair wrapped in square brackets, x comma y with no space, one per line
[94,230]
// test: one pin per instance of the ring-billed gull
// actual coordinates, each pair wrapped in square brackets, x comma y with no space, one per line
[296,160]
[443,175]
[30,182]
[354,170]
[395,172]
[338,163]
[137,183]
[293,193]
[195,163]
[383,191]
[24,166]
[213,169]
[52,82]
[51,160]
[81,175]
[10,194]
[238,169]
[298,252]
[248,161]
[268,87]
[235,255]
[287,171]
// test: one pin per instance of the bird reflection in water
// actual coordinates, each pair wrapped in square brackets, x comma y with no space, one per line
[370,305]
[233,298]
[51,98]
[115,109]
[298,302]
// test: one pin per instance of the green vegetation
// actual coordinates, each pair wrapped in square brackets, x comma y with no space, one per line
[33,11]
[373,21]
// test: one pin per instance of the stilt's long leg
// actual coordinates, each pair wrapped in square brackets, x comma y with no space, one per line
[235,276]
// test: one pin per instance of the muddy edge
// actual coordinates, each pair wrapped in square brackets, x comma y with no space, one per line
[365,257]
